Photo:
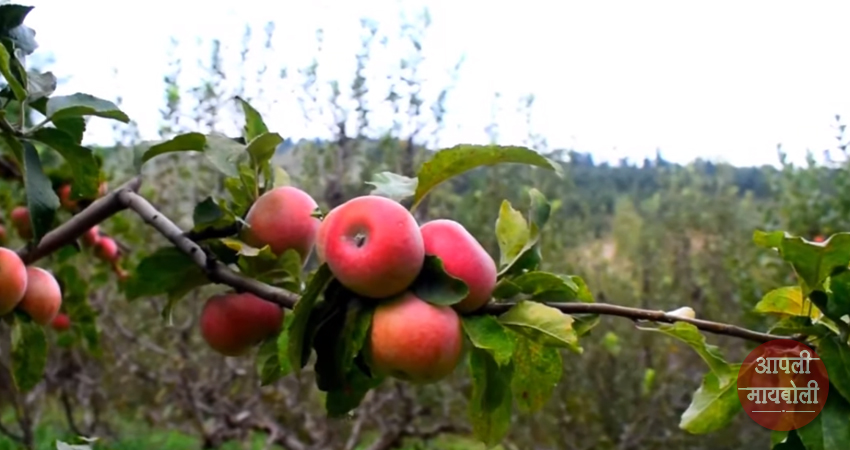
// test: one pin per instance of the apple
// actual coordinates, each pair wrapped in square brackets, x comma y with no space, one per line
[2,235]
[463,258]
[232,323]
[282,219]
[413,340]
[372,245]
[13,280]
[65,201]
[92,236]
[106,249]
[43,296]
[20,218]
[61,323]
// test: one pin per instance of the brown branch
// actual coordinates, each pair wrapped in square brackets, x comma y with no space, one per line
[125,197]
[215,270]
[102,209]
[638,314]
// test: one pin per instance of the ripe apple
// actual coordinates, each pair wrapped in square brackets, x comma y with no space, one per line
[464,258]
[415,341]
[43,297]
[61,323]
[2,235]
[372,245]
[282,219]
[65,201]
[232,323]
[819,238]
[13,280]
[20,218]
[106,249]
[92,236]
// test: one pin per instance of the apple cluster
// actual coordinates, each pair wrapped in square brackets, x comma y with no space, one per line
[29,289]
[376,249]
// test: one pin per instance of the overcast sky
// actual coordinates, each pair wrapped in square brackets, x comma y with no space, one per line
[727,80]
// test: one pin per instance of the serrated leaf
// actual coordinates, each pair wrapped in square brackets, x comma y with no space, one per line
[545,286]
[207,213]
[537,370]
[392,185]
[812,261]
[786,301]
[512,233]
[690,334]
[167,270]
[263,147]
[29,353]
[225,154]
[270,366]
[343,333]
[81,160]
[42,202]
[486,333]
[835,355]
[542,323]
[254,125]
[714,405]
[13,81]
[301,311]
[451,162]
[187,142]
[491,401]
[839,295]
[436,286]
[79,104]
[829,430]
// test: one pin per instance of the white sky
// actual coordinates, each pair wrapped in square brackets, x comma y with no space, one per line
[726,80]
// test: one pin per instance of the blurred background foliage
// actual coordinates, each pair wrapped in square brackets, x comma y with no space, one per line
[651,234]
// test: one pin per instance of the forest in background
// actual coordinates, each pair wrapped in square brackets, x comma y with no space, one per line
[653,234]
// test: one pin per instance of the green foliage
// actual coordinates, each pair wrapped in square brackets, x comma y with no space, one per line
[437,287]
[29,352]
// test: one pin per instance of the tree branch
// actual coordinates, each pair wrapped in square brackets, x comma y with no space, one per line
[102,209]
[638,314]
[125,197]
[215,270]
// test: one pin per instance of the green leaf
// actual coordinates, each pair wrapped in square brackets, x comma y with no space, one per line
[392,185]
[344,332]
[262,148]
[512,233]
[835,355]
[488,334]
[829,430]
[839,295]
[75,302]
[537,370]
[225,154]
[13,145]
[74,126]
[6,69]
[437,287]
[254,125]
[546,287]
[209,214]
[786,301]
[301,311]
[12,16]
[29,353]
[714,406]
[77,105]
[690,334]
[543,324]
[270,366]
[491,401]
[167,271]
[42,202]
[813,261]
[265,266]
[81,160]
[340,402]
[188,142]
[454,161]
[786,440]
